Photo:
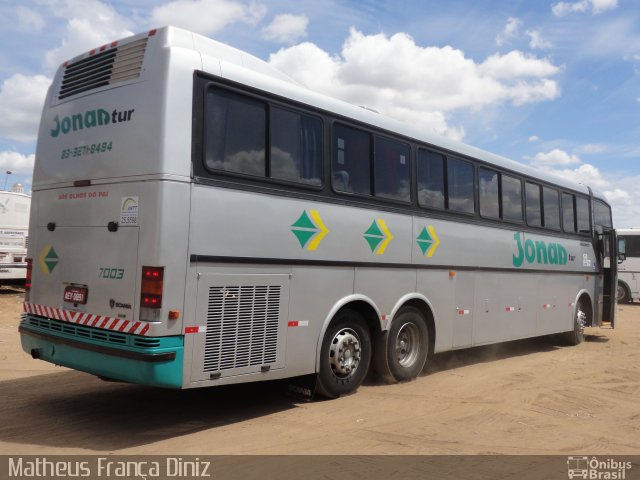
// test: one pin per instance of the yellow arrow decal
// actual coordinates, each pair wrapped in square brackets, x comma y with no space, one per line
[321,234]
[436,241]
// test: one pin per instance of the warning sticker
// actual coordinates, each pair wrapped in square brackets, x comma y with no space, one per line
[129,211]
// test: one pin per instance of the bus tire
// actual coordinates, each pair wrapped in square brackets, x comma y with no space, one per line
[623,295]
[407,344]
[576,336]
[345,355]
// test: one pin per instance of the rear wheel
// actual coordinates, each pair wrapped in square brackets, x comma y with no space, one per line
[402,351]
[345,355]
[622,293]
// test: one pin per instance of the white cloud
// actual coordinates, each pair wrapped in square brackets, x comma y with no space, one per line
[207,16]
[586,174]
[626,210]
[591,148]
[29,20]
[510,31]
[417,84]
[537,41]
[90,24]
[562,9]
[534,138]
[286,28]
[21,100]
[516,64]
[555,157]
[16,163]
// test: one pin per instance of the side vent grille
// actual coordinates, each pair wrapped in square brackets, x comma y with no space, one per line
[111,66]
[242,327]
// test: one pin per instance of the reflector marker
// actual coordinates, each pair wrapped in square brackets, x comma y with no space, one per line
[195,329]
[298,323]
[510,309]
[546,305]
[463,312]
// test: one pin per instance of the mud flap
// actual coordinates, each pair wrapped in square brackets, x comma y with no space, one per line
[302,388]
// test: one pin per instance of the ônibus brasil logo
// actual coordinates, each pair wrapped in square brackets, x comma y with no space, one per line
[89,119]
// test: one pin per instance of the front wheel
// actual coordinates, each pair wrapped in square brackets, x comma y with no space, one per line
[622,293]
[345,355]
[576,336]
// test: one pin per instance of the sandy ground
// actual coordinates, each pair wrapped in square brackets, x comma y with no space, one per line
[526,397]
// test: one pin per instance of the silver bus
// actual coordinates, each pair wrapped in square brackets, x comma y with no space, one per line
[199,219]
[629,268]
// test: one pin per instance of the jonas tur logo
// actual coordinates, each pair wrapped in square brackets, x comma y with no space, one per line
[89,119]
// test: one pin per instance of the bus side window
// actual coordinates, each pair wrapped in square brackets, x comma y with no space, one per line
[235,133]
[430,179]
[489,193]
[602,214]
[392,169]
[534,211]
[582,215]
[551,208]
[460,185]
[632,245]
[296,147]
[511,198]
[568,213]
[351,166]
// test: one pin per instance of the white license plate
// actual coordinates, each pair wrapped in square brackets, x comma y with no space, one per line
[77,295]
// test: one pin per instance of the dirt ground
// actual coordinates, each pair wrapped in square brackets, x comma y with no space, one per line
[525,397]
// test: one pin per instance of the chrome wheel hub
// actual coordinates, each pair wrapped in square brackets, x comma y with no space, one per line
[345,352]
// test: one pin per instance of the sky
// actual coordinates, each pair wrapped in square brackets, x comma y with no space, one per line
[551,84]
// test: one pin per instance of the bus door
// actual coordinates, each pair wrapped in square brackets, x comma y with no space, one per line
[608,247]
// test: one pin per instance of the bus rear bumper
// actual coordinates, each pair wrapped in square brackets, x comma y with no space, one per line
[159,365]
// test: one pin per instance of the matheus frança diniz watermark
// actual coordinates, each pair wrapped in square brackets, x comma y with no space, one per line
[109,467]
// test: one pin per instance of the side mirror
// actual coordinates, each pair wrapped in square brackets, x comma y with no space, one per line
[621,257]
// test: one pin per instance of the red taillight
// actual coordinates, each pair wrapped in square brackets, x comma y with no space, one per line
[27,282]
[152,284]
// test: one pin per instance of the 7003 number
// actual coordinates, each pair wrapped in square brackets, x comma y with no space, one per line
[111,273]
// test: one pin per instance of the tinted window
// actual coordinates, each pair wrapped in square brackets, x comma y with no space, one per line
[296,152]
[511,198]
[460,183]
[534,215]
[351,160]
[236,133]
[632,245]
[489,193]
[551,208]
[430,179]
[582,215]
[602,214]
[568,215]
[392,169]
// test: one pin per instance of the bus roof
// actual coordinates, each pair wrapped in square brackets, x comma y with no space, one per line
[236,65]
